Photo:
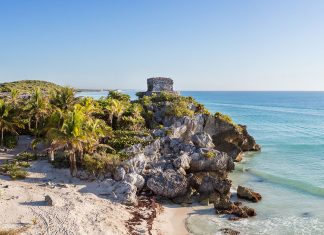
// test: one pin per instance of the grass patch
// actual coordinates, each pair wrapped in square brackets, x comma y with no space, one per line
[100,163]
[225,118]
[124,139]
[209,154]
[13,170]
[26,157]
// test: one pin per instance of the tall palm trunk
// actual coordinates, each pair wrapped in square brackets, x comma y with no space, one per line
[2,130]
[51,155]
[73,166]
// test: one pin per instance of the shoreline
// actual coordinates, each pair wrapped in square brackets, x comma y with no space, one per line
[172,220]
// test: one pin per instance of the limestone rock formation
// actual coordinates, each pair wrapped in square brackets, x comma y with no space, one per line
[202,140]
[169,184]
[188,157]
[248,194]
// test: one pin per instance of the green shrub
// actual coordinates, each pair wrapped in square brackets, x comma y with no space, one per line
[123,139]
[24,164]
[224,117]
[13,170]
[118,96]
[10,141]
[209,154]
[179,108]
[26,157]
[99,163]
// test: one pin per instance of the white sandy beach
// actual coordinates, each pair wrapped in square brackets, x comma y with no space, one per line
[78,207]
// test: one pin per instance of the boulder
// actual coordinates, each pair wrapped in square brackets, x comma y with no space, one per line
[202,140]
[168,184]
[183,161]
[248,194]
[137,163]
[120,191]
[220,162]
[119,173]
[235,210]
[135,179]
[210,184]
[49,200]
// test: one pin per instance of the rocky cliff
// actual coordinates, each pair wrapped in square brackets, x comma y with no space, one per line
[189,155]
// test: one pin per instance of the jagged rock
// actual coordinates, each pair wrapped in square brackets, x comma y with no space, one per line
[182,161]
[121,191]
[249,143]
[234,151]
[229,231]
[168,184]
[137,163]
[119,173]
[210,184]
[220,162]
[153,148]
[222,203]
[133,150]
[234,209]
[248,194]
[202,140]
[49,201]
[135,179]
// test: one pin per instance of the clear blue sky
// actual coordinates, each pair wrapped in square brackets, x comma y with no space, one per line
[202,45]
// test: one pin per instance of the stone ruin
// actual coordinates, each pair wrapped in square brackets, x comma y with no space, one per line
[157,85]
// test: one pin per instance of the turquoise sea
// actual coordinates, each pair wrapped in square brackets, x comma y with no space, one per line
[288,172]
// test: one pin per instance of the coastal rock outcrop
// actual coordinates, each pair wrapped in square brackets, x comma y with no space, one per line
[188,155]
[169,184]
[236,210]
[121,191]
[248,194]
[202,140]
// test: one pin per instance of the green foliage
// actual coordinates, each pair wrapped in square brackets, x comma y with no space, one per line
[224,118]
[9,122]
[28,86]
[123,139]
[176,105]
[118,96]
[63,98]
[13,170]
[209,154]
[179,108]
[99,163]
[26,157]
[24,164]
[10,141]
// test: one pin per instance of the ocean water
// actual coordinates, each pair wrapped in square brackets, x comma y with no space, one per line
[288,172]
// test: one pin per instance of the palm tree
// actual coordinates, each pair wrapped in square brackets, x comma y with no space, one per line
[115,109]
[89,106]
[14,96]
[7,121]
[63,98]
[97,129]
[71,136]
[37,108]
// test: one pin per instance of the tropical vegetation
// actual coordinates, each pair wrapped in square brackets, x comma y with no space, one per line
[79,131]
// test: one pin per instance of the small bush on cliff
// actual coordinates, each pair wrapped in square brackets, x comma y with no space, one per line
[209,154]
[122,139]
[224,117]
